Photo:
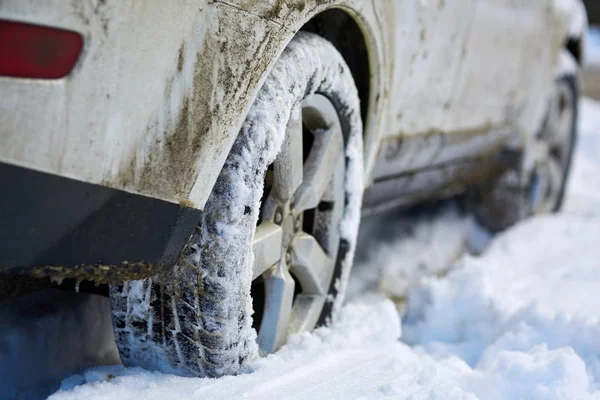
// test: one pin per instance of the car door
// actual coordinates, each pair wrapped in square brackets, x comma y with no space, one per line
[468,77]
[464,69]
[508,62]
[429,45]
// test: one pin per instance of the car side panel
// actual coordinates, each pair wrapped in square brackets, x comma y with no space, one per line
[431,120]
[429,40]
[513,52]
[455,133]
[486,82]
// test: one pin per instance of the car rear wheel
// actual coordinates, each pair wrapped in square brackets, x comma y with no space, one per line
[277,234]
[504,201]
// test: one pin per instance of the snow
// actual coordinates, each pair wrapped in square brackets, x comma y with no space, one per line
[379,267]
[519,321]
[494,314]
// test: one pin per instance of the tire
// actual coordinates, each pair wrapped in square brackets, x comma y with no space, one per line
[518,194]
[196,319]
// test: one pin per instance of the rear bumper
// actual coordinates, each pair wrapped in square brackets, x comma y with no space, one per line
[48,220]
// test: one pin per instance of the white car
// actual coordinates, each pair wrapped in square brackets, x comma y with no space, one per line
[210,159]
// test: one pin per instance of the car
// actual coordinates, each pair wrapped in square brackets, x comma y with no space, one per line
[210,160]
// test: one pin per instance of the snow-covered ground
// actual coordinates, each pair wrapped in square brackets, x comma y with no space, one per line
[520,321]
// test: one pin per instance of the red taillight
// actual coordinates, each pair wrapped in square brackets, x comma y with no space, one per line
[33,51]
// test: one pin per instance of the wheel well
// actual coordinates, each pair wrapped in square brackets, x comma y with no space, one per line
[340,28]
[573,45]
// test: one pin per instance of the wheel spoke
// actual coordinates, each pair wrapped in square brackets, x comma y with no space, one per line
[560,119]
[319,168]
[279,295]
[311,265]
[266,247]
[546,187]
[556,175]
[300,182]
[288,165]
[538,189]
[307,310]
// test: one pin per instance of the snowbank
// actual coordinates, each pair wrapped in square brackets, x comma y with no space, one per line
[524,317]
[395,248]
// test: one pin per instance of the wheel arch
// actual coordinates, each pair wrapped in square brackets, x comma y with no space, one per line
[341,29]
[576,36]
[360,37]
[574,45]
[243,43]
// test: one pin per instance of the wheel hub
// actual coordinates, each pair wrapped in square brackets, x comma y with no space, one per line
[296,241]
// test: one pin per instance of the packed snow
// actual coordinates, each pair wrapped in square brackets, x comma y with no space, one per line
[520,321]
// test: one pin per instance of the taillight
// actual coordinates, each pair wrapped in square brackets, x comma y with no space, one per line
[33,51]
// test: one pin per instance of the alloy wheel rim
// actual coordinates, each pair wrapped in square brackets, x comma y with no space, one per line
[297,238]
[554,146]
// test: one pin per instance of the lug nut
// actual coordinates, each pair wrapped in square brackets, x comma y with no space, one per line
[298,223]
[278,217]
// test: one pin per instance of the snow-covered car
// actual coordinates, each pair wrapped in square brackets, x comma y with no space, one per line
[210,160]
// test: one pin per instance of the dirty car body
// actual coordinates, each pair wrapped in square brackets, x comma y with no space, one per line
[140,127]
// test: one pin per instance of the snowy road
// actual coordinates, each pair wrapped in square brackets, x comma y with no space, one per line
[520,321]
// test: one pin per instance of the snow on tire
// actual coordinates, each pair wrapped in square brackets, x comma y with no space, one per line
[196,319]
